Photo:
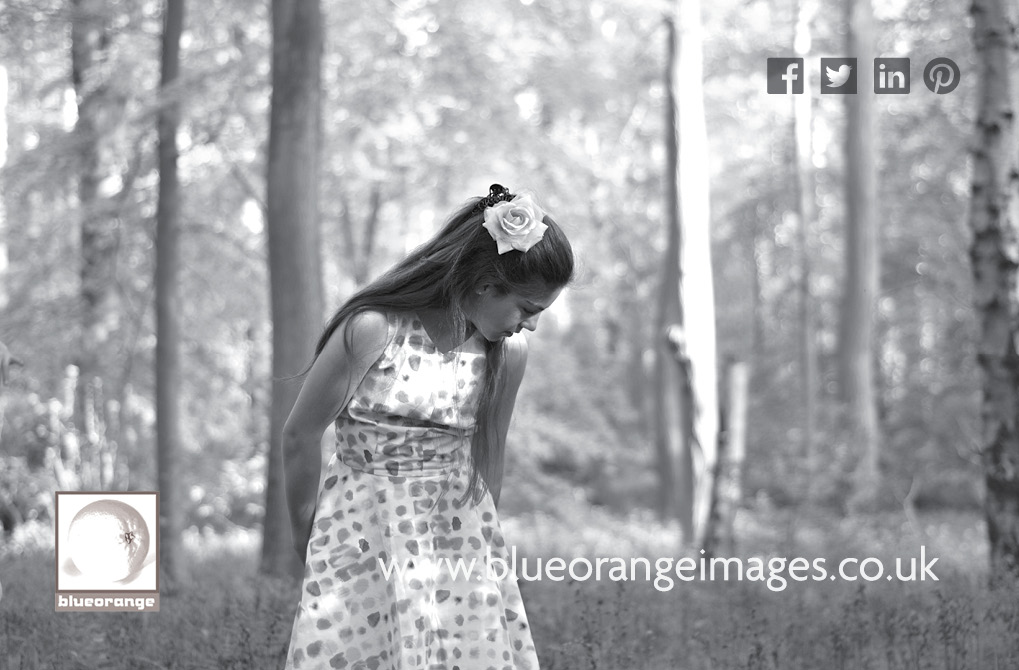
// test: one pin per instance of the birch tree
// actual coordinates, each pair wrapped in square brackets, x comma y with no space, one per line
[994,255]
[686,392]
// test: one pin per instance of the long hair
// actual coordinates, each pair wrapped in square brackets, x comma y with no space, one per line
[442,273]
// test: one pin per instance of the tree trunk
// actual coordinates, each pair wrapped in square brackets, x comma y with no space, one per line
[97,111]
[862,281]
[359,257]
[669,436]
[4,293]
[727,493]
[697,292]
[994,254]
[294,263]
[687,405]
[806,210]
[758,303]
[168,303]
[257,410]
[638,372]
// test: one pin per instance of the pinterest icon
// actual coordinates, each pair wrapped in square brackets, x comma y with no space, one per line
[941,75]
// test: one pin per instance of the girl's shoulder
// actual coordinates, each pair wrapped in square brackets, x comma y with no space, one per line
[368,330]
[369,323]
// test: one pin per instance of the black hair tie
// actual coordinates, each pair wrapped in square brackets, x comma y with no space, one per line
[496,193]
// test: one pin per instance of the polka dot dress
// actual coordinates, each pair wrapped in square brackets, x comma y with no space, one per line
[397,574]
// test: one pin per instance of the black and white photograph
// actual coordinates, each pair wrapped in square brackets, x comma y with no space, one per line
[509,335]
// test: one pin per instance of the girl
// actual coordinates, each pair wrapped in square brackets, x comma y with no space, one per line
[419,372]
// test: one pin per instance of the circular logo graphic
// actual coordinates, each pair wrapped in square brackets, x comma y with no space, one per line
[941,75]
[108,540]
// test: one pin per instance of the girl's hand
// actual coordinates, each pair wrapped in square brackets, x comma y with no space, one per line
[301,538]
[6,361]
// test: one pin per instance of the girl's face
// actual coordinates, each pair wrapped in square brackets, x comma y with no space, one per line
[497,314]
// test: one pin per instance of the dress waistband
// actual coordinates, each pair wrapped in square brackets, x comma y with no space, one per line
[397,450]
[397,465]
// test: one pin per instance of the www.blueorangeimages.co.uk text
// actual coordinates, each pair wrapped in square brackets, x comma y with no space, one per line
[775,572]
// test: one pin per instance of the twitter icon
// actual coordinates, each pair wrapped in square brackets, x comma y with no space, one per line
[838,75]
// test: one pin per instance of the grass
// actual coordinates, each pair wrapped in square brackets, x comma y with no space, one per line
[228,617]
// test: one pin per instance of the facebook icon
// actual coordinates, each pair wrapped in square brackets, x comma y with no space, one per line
[785,75]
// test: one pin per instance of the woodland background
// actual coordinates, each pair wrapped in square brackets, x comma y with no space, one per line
[424,104]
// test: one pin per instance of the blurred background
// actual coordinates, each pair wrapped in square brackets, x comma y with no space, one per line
[694,388]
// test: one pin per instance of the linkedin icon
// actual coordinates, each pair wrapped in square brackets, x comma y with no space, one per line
[891,75]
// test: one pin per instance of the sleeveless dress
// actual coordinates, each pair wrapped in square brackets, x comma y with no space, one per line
[383,589]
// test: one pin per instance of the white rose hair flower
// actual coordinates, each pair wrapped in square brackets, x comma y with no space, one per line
[514,224]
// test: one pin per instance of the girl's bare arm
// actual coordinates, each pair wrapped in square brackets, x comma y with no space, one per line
[327,389]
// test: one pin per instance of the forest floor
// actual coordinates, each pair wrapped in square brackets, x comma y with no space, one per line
[781,615]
